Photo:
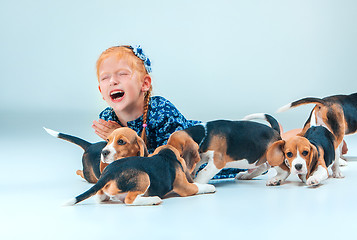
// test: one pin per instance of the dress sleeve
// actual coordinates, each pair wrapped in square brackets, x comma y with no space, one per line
[169,121]
[106,114]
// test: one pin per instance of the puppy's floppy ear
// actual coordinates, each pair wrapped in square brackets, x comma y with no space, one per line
[313,160]
[275,155]
[187,148]
[187,169]
[143,151]
[102,166]
[191,155]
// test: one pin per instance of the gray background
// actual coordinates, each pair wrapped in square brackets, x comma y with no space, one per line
[212,59]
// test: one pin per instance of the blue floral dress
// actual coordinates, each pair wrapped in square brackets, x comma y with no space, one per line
[163,120]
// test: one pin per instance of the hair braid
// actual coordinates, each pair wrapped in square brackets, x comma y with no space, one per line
[145,115]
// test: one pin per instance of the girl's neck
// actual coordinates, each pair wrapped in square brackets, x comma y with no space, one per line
[127,116]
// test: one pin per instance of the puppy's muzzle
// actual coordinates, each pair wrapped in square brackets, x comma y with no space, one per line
[105,158]
[298,166]
[105,153]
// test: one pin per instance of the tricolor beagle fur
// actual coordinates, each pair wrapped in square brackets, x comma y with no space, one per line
[227,144]
[338,113]
[294,132]
[308,154]
[123,142]
[145,180]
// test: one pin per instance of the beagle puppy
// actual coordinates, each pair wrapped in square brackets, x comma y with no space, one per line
[227,144]
[338,113]
[294,132]
[291,133]
[123,142]
[144,180]
[309,155]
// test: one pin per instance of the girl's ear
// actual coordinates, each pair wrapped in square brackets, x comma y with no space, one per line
[100,90]
[146,83]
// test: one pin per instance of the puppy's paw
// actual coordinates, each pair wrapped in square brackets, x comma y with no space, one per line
[145,201]
[205,188]
[313,181]
[274,182]
[151,200]
[338,174]
[244,176]
[342,162]
[155,201]
[101,198]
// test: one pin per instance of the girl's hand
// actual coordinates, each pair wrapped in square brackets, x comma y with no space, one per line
[104,128]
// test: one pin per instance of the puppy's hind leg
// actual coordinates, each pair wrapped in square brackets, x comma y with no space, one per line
[199,164]
[336,172]
[101,196]
[205,188]
[255,173]
[343,150]
[80,173]
[89,177]
[135,197]
[210,169]
[183,188]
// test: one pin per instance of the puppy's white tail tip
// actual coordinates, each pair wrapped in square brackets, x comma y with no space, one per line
[255,116]
[284,108]
[51,132]
[70,202]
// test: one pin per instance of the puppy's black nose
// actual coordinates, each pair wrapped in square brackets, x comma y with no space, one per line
[105,153]
[298,166]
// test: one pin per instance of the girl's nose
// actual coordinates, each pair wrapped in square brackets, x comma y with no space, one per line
[114,80]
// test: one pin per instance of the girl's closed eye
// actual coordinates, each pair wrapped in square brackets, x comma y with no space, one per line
[123,73]
[105,77]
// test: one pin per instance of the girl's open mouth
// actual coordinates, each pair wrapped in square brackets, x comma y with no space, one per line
[117,95]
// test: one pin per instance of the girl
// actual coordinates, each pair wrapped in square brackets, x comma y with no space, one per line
[125,84]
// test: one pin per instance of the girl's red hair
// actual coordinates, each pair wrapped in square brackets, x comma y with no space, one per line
[123,52]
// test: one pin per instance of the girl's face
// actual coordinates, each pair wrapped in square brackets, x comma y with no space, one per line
[121,86]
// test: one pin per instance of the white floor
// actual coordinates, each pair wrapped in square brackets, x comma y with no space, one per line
[38,175]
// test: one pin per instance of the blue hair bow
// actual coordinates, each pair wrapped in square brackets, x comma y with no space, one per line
[138,51]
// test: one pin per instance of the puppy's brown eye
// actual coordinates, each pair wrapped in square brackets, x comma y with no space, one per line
[304,153]
[121,142]
[289,154]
